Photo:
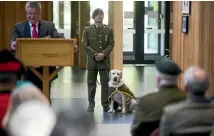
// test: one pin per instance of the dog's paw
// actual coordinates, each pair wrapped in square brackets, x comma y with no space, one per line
[111,110]
[123,111]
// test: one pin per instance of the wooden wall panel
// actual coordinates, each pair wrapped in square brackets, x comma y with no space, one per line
[12,12]
[47,10]
[196,47]
[83,19]
[2,24]
[116,21]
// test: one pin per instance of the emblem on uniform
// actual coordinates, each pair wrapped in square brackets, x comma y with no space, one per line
[106,38]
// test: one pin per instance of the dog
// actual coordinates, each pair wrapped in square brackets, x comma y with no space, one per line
[119,93]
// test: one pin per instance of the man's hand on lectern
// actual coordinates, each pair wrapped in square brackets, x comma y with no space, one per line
[13,45]
[75,48]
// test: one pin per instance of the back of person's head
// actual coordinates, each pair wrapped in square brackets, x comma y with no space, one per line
[11,69]
[27,92]
[196,81]
[167,72]
[32,118]
[166,80]
[75,122]
[24,93]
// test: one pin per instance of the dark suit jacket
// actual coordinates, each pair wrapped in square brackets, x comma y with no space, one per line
[149,110]
[45,28]
[22,30]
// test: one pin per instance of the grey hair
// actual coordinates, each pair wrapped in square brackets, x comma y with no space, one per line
[25,93]
[33,4]
[193,84]
[166,80]
[30,117]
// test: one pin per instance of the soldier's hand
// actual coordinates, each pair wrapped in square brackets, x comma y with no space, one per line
[96,57]
[75,48]
[101,56]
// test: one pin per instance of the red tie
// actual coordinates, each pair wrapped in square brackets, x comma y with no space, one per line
[34,32]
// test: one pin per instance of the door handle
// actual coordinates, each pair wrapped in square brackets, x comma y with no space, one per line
[168,50]
[168,56]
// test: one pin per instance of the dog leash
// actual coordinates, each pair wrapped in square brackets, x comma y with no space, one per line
[107,68]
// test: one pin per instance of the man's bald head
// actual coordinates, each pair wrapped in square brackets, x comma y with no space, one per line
[196,80]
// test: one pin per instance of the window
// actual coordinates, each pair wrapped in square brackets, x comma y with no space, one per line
[128,25]
[62,17]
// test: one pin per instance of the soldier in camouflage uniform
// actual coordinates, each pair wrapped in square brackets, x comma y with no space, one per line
[98,40]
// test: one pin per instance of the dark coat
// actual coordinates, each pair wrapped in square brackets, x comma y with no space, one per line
[150,109]
[22,30]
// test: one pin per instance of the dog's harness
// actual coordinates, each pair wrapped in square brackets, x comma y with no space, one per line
[124,91]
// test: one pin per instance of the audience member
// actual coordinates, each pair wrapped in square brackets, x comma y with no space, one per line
[149,109]
[24,93]
[193,116]
[32,118]
[11,70]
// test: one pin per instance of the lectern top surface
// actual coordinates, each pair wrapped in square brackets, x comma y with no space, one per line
[40,39]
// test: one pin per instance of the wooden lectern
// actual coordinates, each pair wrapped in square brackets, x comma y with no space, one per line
[45,52]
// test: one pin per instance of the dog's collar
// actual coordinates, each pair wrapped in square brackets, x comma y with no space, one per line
[121,83]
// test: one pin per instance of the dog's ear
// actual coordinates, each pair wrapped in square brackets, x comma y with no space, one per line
[109,75]
[121,75]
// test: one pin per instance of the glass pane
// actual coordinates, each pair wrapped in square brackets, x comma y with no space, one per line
[67,18]
[103,4]
[62,10]
[128,25]
[154,27]
[56,14]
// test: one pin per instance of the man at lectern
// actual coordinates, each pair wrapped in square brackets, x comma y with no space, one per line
[33,27]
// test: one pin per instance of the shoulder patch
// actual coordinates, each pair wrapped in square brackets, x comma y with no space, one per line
[88,27]
[109,26]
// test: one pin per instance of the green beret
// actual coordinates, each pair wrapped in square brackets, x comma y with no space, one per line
[168,67]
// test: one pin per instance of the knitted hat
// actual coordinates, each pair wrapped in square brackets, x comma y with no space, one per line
[9,64]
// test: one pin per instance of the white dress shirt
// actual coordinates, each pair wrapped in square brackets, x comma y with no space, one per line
[31,27]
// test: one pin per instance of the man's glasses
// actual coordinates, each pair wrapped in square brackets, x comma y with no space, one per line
[32,14]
